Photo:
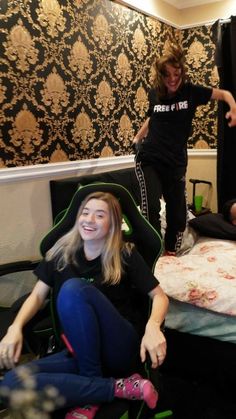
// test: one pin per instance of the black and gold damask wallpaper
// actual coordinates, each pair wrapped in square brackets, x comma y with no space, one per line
[74,78]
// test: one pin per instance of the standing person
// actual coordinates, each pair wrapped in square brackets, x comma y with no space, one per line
[161,159]
[94,275]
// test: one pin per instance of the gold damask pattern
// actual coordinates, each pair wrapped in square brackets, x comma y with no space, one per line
[50,16]
[25,133]
[125,130]
[75,76]
[3,90]
[123,69]
[20,47]
[104,98]
[141,101]
[139,44]
[83,132]
[200,52]
[101,32]
[54,93]
[79,59]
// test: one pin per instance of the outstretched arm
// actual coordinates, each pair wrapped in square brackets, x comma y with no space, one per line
[11,344]
[154,340]
[226,96]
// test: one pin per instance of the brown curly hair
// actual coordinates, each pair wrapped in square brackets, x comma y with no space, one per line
[173,56]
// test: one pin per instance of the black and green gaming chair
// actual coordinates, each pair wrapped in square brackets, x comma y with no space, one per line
[137,230]
[149,244]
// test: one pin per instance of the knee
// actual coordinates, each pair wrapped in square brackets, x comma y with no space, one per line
[9,382]
[71,286]
[70,292]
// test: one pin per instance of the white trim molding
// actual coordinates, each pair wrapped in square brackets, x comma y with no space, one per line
[158,16]
[202,152]
[75,168]
[185,4]
[146,13]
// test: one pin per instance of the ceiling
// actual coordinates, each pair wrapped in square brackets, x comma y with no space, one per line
[183,4]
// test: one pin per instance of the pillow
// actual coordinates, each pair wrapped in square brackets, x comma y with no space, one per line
[214,225]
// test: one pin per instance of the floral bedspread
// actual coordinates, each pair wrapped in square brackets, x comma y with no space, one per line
[205,277]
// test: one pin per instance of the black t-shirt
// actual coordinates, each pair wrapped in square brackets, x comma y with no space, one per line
[170,125]
[137,280]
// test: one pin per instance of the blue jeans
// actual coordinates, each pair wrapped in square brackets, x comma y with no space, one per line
[101,339]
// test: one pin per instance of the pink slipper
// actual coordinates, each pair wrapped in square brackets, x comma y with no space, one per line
[86,412]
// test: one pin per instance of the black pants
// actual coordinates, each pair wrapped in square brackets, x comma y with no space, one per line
[155,182]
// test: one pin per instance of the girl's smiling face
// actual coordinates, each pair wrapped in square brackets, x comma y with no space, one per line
[94,221]
[172,78]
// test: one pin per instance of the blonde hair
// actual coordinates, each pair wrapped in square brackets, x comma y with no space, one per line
[64,250]
[173,56]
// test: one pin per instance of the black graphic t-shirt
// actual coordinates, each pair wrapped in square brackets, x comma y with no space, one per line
[170,125]
[137,280]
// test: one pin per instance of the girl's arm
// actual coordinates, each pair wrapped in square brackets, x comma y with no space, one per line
[11,344]
[226,96]
[142,133]
[154,340]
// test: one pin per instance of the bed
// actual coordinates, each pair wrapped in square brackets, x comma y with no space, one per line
[201,285]
[201,281]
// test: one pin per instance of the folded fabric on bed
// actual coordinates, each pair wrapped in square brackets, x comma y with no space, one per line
[199,321]
[205,277]
[214,225]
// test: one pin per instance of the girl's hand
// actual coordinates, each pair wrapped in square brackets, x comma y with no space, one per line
[154,343]
[231,115]
[10,347]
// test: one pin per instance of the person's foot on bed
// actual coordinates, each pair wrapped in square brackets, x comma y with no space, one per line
[168,253]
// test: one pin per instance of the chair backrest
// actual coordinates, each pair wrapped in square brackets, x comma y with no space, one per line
[140,231]
[62,190]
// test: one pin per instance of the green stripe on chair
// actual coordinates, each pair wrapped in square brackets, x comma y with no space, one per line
[166,414]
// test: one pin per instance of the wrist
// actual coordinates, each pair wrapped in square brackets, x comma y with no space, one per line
[15,327]
[155,322]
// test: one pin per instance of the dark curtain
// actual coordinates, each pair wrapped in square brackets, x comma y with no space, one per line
[225,39]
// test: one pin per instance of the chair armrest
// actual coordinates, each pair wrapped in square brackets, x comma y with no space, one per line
[23,265]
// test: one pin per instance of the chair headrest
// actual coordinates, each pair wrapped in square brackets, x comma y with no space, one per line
[142,234]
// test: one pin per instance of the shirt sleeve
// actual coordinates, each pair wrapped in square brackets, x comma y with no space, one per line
[152,102]
[139,272]
[45,272]
[201,94]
